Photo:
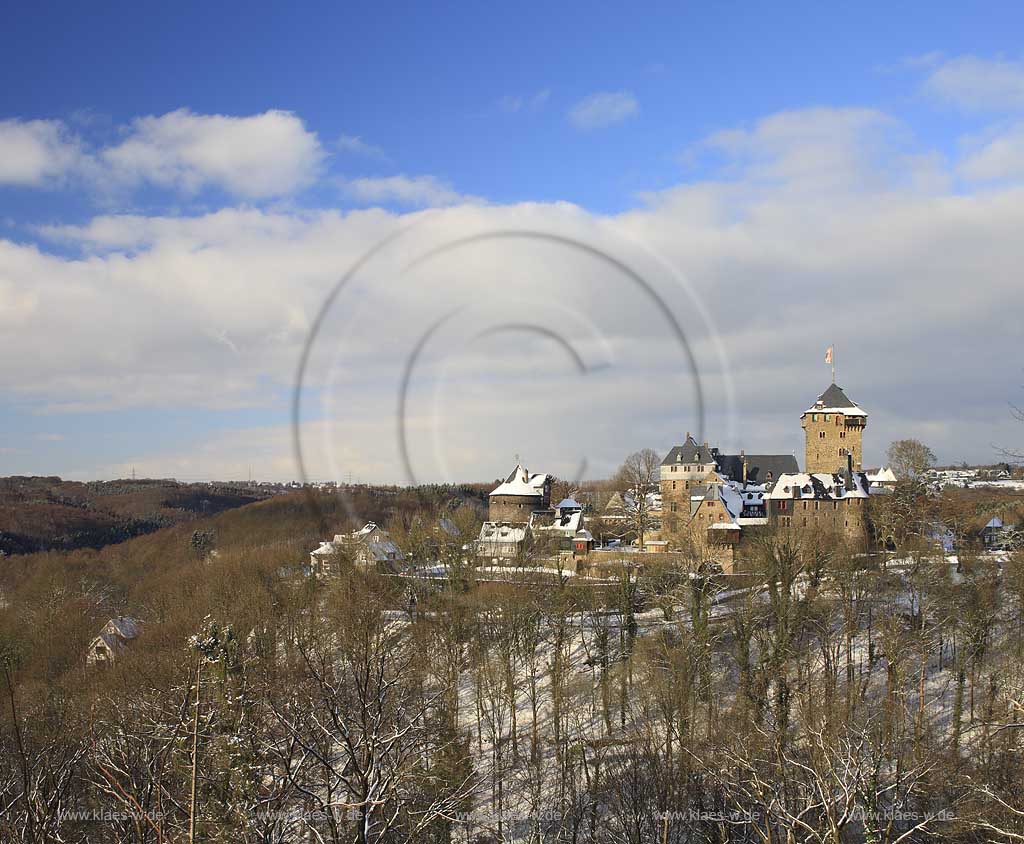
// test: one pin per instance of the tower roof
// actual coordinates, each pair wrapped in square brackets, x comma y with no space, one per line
[521,482]
[834,400]
[690,451]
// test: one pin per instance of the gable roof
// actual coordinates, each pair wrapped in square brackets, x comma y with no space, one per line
[834,400]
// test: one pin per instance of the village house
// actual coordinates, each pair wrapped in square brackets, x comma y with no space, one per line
[368,547]
[998,536]
[115,636]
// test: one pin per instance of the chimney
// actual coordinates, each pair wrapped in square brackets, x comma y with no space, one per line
[744,459]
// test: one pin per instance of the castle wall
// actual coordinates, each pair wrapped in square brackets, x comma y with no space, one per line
[513,508]
[847,516]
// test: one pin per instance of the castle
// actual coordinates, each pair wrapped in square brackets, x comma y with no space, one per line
[715,502]
[710,503]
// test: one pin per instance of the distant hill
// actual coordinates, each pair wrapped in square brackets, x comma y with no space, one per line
[47,513]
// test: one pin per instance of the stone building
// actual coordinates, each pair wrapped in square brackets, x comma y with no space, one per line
[834,427]
[714,503]
[513,507]
[518,496]
[694,464]
[822,502]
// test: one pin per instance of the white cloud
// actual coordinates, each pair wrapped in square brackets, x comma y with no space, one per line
[998,157]
[974,83]
[604,108]
[258,156]
[819,149]
[409,191]
[357,146]
[36,152]
[809,233]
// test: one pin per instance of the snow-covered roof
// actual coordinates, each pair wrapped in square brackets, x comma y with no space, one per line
[802,485]
[585,535]
[834,400]
[568,504]
[502,532]
[885,475]
[521,482]
[568,523]
[995,522]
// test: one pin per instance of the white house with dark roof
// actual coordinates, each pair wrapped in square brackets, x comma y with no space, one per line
[370,547]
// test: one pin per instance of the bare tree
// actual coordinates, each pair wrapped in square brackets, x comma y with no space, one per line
[910,459]
[636,481]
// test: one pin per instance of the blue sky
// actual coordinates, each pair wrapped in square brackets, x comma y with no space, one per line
[152,152]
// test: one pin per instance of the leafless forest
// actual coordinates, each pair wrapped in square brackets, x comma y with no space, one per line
[829,694]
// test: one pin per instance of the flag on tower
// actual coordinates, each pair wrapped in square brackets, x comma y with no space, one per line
[828,355]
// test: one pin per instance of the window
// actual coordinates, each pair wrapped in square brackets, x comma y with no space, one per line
[673,506]
[826,417]
[814,417]
[673,484]
[782,506]
[821,435]
[674,468]
[842,435]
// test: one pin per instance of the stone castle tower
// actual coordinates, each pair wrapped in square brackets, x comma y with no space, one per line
[519,495]
[834,426]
